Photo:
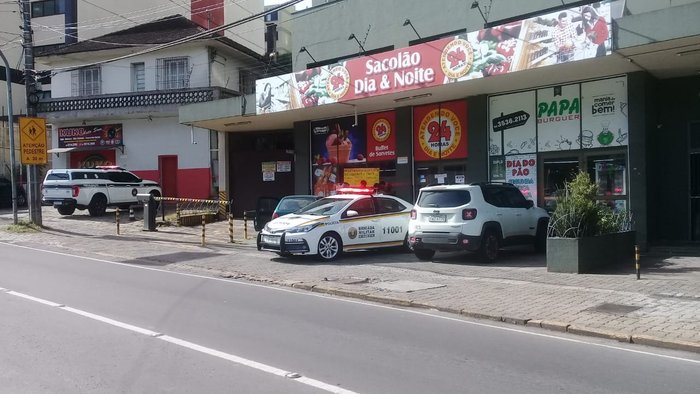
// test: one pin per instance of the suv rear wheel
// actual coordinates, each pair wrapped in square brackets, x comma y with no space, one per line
[489,246]
[424,254]
[66,211]
[98,205]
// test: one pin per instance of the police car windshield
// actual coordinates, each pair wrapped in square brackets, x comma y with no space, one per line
[325,206]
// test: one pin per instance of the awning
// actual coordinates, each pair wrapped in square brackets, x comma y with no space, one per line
[58,151]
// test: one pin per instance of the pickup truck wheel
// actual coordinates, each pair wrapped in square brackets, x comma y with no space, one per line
[489,247]
[98,205]
[66,211]
[424,254]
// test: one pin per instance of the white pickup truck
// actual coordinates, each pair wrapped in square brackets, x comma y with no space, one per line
[94,189]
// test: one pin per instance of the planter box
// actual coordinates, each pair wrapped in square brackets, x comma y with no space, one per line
[582,255]
[196,220]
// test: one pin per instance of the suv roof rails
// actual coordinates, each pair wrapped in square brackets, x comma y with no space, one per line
[490,183]
[110,168]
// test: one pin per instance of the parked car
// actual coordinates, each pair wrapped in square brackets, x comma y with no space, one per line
[337,224]
[6,193]
[480,217]
[94,189]
[291,204]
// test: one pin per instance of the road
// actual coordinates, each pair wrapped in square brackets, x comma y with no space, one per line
[71,324]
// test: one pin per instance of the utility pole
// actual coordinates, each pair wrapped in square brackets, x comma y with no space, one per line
[11,122]
[34,195]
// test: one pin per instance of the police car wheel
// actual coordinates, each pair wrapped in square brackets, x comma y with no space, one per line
[329,247]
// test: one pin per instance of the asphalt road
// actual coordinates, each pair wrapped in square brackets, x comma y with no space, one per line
[71,324]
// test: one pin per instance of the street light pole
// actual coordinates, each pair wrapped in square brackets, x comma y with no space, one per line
[34,195]
[11,121]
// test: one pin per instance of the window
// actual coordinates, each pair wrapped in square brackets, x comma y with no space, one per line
[86,81]
[45,8]
[363,207]
[496,196]
[138,77]
[246,82]
[173,73]
[515,198]
[388,205]
[444,198]
[123,177]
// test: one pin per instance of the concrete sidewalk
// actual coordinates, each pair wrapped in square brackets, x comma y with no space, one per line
[662,309]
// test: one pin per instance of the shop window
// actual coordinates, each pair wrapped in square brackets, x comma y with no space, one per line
[556,173]
[610,176]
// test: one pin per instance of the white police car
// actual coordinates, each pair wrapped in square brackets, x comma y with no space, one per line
[340,223]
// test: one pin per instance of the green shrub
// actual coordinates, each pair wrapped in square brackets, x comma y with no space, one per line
[578,214]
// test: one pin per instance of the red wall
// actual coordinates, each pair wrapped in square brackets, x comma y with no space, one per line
[191,182]
[208,13]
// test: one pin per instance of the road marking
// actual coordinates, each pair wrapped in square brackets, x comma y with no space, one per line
[346,300]
[192,346]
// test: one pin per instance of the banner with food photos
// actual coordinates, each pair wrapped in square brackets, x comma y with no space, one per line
[335,145]
[572,34]
[440,131]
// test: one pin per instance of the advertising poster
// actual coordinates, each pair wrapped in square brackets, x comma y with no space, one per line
[92,159]
[521,171]
[440,131]
[97,136]
[577,33]
[335,144]
[559,118]
[361,177]
[381,136]
[497,168]
[512,116]
[604,108]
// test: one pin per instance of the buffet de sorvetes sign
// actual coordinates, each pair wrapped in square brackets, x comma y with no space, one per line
[515,46]
[101,136]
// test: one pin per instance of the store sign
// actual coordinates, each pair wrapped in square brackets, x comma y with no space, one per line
[604,111]
[527,44]
[381,136]
[87,136]
[559,118]
[512,120]
[440,131]
[521,171]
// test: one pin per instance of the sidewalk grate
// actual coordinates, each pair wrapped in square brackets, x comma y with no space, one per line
[614,309]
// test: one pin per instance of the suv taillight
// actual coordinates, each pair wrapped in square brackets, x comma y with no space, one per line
[469,214]
[76,191]
[413,214]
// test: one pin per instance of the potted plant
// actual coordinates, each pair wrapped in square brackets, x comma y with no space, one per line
[584,234]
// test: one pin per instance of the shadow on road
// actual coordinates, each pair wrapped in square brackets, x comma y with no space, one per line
[171,258]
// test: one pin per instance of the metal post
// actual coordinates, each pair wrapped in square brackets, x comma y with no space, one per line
[636,261]
[245,225]
[177,214]
[204,223]
[230,227]
[11,121]
[132,215]
[34,192]
[116,218]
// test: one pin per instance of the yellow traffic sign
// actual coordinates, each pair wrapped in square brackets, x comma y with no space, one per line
[32,139]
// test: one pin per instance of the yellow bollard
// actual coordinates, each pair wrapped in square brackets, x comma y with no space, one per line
[204,222]
[230,227]
[177,214]
[116,214]
[636,261]
[245,225]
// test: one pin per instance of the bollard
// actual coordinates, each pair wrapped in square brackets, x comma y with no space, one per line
[132,216]
[116,217]
[245,225]
[230,227]
[177,214]
[204,222]
[636,261]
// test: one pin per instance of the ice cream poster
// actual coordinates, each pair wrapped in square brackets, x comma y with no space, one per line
[338,141]
[521,171]
[440,131]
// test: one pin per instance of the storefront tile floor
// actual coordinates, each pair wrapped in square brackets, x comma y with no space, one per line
[661,309]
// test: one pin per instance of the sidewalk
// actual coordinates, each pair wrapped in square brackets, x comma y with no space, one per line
[662,309]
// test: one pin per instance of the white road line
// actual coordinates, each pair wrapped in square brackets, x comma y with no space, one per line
[351,301]
[193,346]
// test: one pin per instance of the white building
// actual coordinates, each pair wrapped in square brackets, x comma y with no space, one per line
[115,101]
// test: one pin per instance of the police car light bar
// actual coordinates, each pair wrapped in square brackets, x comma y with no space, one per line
[356,190]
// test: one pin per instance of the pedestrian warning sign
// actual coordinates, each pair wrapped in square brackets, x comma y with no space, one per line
[32,139]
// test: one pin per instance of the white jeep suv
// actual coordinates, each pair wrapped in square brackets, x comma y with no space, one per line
[94,189]
[479,217]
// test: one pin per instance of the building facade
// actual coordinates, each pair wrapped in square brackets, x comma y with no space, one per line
[524,92]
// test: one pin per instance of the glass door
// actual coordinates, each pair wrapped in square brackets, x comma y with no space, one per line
[609,173]
[555,173]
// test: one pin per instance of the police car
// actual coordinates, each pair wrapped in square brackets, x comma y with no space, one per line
[352,220]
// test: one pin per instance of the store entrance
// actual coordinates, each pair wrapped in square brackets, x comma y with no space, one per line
[432,173]
[555,173]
